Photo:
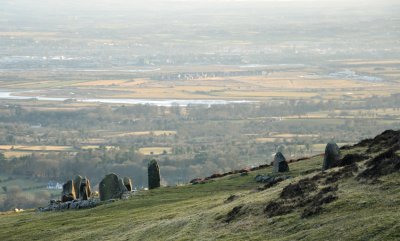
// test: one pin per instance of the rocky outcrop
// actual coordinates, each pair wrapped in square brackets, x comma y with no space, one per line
[306,195]
[383,164]
[385,140]
[74,204]
[269,181]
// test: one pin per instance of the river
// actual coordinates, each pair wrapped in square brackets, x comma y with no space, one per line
[156,102]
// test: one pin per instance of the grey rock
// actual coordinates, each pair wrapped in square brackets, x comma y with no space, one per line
[332,156]
[128,183]
[122,186]
[87,204]
[111,187]
[280,164]
[63,206]
[263,178]
[153,174]
[77,183]
[127,195]
[270,179]
[84,189]
[75,204]
[68,192]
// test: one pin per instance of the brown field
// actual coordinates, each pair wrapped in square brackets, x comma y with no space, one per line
[87,147]
[155,150]
[100,83]
[261,87]
[297,81]
[266,139]
[94,141]
[11,154]
[29,84]
[380,62]
[278,82]
[36,148]
[112,83]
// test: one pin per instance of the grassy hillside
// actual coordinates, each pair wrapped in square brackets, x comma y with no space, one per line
[359,201]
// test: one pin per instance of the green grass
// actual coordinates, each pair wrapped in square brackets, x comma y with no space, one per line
[197,212]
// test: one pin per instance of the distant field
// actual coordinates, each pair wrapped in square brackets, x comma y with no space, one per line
[36,148]
[298,82]
[290,135]
[381,113]
[279,137]
[380,62]
[27,33]
[100,83]
[11,154]
[155,150]
[144,133]
[18,151]
[94,141]
[266,139]
[87,147]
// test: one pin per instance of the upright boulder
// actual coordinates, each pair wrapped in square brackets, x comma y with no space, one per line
[68,192]
[77,183]
[332,156]
[153,174]
[121,185]
[84,189]
[128,183]
[111,187]
[280,164]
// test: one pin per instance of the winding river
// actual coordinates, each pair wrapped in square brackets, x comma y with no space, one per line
[156,102]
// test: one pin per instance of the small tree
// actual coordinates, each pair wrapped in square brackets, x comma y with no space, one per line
[153,174]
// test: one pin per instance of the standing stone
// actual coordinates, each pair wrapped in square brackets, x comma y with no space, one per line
[111,187]
[280,164]
[122,185]
[332,156]
[128,183]
[68,192]
[153,174]
[77,183]
[84,189]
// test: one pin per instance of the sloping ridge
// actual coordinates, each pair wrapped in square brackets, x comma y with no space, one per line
[359,199]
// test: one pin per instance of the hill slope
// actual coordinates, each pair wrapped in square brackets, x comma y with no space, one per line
[358,201]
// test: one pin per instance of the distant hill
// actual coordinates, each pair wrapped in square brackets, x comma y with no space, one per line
[359,200]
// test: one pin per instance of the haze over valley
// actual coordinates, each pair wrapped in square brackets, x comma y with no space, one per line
[203,87]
